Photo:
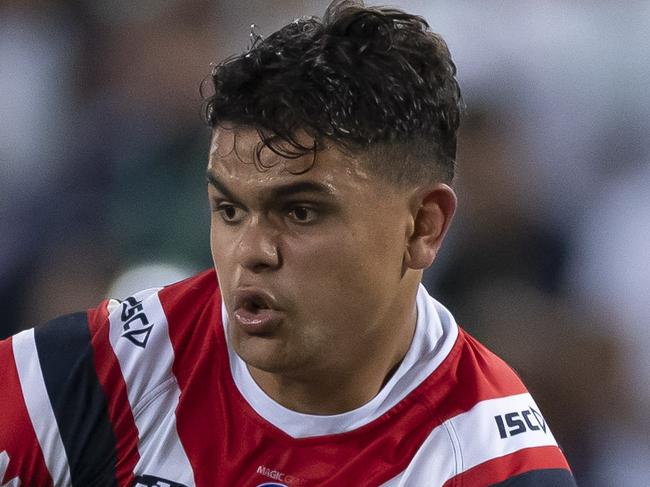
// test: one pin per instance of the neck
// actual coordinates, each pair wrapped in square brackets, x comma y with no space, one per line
[350,384]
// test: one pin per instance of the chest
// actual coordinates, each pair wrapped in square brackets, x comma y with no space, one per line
[210,436]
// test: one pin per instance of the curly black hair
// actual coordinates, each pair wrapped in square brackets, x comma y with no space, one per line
[375,81]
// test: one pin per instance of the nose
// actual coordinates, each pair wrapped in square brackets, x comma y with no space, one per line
[258,249]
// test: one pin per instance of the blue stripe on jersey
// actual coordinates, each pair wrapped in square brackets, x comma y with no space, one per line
[78,401]
[549,477]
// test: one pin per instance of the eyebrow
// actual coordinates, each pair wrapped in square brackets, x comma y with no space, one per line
[277,192]
[219,186]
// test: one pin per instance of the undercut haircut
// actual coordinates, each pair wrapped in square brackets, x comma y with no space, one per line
[374,81]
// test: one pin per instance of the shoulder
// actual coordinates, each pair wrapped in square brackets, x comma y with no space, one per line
[83,379]
[145,335]
[145,314]
[493,427]
[51,385]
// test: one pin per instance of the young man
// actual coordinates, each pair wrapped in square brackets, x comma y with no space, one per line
[312,356]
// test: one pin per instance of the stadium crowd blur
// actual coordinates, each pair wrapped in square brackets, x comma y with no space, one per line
[102,157]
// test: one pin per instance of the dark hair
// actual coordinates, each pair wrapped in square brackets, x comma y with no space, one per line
[375,81]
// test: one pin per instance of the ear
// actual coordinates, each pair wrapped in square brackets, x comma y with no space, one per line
[433,209]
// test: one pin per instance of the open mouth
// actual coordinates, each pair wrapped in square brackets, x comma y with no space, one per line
[256,311]
[254,304]
[254,301]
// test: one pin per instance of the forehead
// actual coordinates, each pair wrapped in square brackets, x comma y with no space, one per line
[237,156]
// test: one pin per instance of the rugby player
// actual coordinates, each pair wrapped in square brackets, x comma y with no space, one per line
[310,355]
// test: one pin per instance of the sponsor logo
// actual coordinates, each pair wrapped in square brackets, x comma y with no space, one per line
[4,465]
[280,479]
[135,323]
[151,481]
[518,422]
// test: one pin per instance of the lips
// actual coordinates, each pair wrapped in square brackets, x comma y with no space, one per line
[256,311]
[255,299]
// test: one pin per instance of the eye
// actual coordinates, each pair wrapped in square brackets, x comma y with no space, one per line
[302,214]
[229,213]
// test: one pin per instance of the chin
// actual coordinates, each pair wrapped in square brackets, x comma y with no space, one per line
[264,354]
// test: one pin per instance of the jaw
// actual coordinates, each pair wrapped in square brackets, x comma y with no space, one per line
[329,380]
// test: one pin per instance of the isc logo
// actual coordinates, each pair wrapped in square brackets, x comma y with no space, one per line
[519,422]
[135,323]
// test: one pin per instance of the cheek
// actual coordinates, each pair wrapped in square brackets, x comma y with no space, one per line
[221,249]
[375,251]
[216,247]
[348,272]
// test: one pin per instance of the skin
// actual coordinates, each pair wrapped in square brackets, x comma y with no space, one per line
[341,261]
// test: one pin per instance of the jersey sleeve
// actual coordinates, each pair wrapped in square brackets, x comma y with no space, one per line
[489,429]
[56,427]
[506,441]
[21,456]
[499,442]
[548,477]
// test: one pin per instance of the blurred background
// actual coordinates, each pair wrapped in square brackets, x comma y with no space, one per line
[102,157]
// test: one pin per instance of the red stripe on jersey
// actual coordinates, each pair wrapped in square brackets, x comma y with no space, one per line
[517,463]
[193,311]
[17,436]
[112,382]
[370,455]
[470,374]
